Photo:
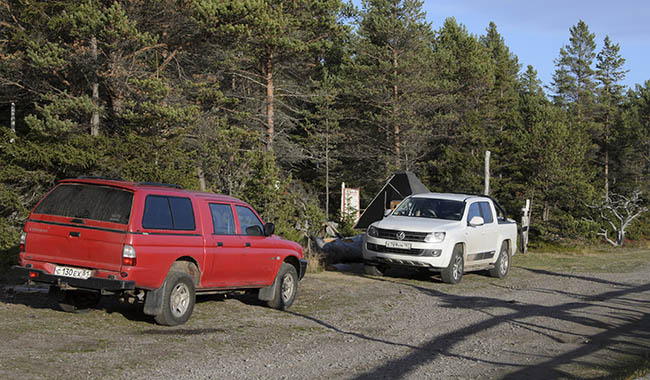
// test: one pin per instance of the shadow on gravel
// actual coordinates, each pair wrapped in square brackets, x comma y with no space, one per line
[628,334]
[183,332]
[350,333]
[38,298]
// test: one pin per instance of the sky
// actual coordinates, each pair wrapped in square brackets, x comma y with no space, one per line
[536,30]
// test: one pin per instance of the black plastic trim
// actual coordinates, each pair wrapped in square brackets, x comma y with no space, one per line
[303,269]
[77,226]
[162,233]
[159,184]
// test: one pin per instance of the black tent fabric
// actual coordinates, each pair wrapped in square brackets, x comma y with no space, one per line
[398,187]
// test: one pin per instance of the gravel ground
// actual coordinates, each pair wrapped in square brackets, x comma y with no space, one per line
[344,325]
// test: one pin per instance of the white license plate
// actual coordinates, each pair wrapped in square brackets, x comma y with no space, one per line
[398,244]
[72,272]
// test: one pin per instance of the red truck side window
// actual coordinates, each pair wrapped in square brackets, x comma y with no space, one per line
[222,219]
[249,223]
[168,213]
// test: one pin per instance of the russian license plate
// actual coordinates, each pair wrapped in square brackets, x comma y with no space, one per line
[72,272]
[398,244]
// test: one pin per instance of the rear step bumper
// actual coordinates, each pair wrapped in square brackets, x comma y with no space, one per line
[93,283]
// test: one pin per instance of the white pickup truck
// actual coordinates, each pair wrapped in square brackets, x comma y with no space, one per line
[446,233]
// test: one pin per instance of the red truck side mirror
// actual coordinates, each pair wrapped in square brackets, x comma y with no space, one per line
[269,229]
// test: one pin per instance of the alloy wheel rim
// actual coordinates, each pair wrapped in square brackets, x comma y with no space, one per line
[504,262]
[287,288]
[457,266]
[179,300]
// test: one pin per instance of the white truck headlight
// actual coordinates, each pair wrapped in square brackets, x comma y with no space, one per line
[435,237]
[372,231]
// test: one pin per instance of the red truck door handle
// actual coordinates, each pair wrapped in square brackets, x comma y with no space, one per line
[75,234]
[219,244]
[248,244]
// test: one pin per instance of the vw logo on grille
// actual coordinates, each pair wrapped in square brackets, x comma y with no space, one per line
[400,235]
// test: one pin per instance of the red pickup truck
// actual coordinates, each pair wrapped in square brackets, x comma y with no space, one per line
[153,243]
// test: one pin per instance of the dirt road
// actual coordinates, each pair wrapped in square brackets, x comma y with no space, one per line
[533,325]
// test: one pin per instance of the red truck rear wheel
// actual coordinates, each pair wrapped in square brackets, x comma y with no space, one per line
[178,299]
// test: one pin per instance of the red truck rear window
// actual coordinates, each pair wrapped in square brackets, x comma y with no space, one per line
[106,204]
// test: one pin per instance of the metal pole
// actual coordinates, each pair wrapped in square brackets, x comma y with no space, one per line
[13,122]
[13,117]
[486,191]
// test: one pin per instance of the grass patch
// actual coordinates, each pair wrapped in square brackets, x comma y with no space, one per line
[632,368]
[80,347]
[599,259]
[314,261]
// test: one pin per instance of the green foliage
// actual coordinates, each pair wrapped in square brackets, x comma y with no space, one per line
[563,226]
[278,102]
[346,226]
[573,80]
[295,213]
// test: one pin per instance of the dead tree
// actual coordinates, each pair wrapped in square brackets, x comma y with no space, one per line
[616,212]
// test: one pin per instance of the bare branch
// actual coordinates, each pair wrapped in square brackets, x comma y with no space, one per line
[617,212]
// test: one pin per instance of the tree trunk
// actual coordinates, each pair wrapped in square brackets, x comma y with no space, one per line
[547,212]
[94,119]
[270,93]
[201,175]
[327,170]
[607,157]
[396,127]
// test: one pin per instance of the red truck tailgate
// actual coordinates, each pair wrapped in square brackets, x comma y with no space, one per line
[57,240]
[82,225]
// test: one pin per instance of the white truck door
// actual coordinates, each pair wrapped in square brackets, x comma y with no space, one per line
[481,246]
[491,231]
[475,235]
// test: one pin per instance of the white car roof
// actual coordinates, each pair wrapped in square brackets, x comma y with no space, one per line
[450,196]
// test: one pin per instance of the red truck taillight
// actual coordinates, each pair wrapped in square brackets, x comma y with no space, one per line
[23,239]
[128,255]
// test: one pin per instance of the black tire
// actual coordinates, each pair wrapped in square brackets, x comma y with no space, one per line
[502,265]
[75,301]
[454,271]
[286,287]
[178,299]
[374,270]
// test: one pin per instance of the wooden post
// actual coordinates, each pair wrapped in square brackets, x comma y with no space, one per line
[525,225]
[342,201]
[486,190]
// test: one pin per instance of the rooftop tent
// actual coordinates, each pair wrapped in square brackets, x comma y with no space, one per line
[398,187]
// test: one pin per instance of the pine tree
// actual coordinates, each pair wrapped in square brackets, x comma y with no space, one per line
[501,112]
[273,46]
[573,80]
[389,82]
[464,79]
[609,73]
[633,141]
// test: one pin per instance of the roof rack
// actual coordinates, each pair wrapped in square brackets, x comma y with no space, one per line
[159,184]
[100,177]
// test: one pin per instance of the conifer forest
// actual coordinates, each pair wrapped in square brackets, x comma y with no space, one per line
[278,102]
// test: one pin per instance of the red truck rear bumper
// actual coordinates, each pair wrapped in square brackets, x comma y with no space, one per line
[92,283]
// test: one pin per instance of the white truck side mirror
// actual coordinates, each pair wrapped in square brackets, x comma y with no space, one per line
[476,221]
